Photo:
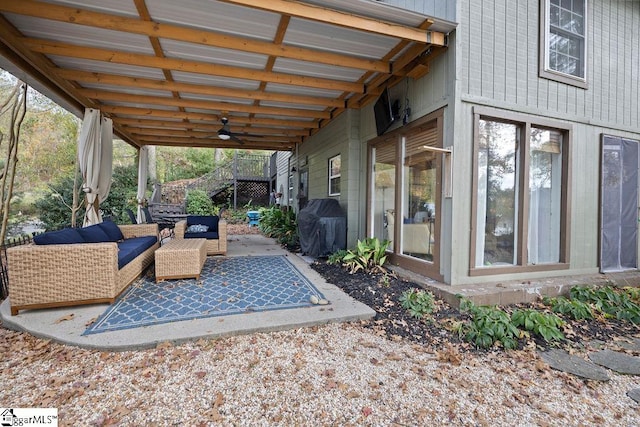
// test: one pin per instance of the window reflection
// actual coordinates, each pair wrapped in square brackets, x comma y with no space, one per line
[497,193]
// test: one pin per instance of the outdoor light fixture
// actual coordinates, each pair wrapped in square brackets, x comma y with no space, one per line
[293,169]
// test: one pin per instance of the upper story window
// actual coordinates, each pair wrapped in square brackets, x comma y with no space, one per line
[334,176]
[563,57]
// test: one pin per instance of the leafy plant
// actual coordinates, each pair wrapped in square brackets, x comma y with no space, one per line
[418,301]
[611,302]
[337,257]
[575,309]
[544,325]
[488,326]
[53,207]
[199,203]
[281,225]
[369,255]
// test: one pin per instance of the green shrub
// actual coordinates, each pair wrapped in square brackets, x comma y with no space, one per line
[337,257]
[54,206]
[488,326]
[575,309]
[369,255]
[418,302]
[544,325]
[611,302]
[199,203]
[281,225]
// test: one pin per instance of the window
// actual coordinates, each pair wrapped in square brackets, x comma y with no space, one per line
[564,41]
[334,176]
[521,183]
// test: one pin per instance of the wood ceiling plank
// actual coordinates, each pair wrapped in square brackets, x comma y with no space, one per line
[334,17]
[174,64]
[174,32]
[213,118]
[102,96]
[137,82]
[135,126]
[224,144]
[165,139]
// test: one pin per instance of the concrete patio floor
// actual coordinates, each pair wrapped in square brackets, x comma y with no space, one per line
[49,323]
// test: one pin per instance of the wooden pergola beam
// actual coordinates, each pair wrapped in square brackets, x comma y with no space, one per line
[334,17]
[119,57]
[102,95]
[157,127]
[208,38]
[212,118]
[212,142]
[197,89]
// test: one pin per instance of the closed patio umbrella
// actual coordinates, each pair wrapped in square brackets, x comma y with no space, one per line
[95,155]
[143,162]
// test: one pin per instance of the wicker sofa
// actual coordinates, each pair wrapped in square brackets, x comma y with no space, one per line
[216,233]
[59,275]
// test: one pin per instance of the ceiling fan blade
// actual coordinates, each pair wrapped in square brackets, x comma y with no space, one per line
[236,139]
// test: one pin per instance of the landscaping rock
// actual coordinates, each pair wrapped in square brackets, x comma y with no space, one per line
[634,394]
[632,345]
[619,362]
[565,362]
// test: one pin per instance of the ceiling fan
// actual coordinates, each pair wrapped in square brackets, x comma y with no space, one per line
[225,134]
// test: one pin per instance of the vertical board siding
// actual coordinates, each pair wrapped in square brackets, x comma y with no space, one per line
[499,48]
[443,9]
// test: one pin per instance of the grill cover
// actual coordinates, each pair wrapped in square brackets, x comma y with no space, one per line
[322,227]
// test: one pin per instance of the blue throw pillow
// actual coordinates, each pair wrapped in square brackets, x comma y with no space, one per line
[93,234]
[112,230]
[197,228]
[61,237]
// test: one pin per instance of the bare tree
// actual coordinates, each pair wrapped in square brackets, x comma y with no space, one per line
[16,106]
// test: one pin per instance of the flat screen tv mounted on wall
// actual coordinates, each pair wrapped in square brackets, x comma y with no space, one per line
[383,112]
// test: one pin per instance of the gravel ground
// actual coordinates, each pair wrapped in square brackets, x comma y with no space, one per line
[339,374]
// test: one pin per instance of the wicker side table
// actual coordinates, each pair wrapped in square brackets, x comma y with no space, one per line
[181,258]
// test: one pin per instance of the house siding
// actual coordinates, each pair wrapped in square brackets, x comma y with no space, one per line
[341,136]
[497,64]
[443,9]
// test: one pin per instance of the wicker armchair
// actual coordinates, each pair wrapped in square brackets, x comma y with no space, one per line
[42,276]
[214,246]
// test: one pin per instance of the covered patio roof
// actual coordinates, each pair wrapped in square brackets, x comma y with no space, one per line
[167,71]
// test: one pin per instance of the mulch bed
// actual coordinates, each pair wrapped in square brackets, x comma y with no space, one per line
[382,293]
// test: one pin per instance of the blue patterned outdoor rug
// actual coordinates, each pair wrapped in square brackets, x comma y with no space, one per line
[226,286]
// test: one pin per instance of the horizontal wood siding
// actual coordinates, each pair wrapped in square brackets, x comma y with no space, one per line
[498,42]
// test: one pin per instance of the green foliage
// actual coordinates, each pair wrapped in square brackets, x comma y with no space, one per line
[369,255]
[54,206]
[613,303]
[575,309]
[123,193]
[488,326]
[632,293]
[176,163]
[418,301]
[199,203]
[544,325]
[281,225]
[337,257]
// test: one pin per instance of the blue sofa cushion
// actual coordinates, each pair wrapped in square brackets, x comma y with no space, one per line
[129,249]
[205,235]
[209,220]
[93,234]
[112,230]
[60,237]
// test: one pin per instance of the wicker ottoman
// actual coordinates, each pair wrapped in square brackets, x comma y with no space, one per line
[181,258]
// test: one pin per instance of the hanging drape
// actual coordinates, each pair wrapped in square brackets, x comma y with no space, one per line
[143,168]
[95,156]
